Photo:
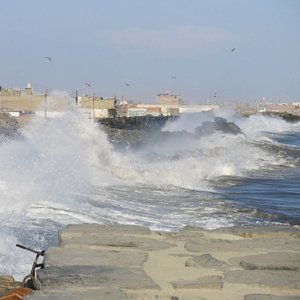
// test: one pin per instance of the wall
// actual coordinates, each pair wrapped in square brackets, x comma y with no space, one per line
[96,102]
[21,102]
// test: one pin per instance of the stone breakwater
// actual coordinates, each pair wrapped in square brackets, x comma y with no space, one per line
[94,261]
[134,130]
[8,126]
[145,130]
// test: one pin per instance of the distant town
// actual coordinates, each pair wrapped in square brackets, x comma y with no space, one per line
[16,103]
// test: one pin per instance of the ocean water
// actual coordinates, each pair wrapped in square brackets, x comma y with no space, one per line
[64,170]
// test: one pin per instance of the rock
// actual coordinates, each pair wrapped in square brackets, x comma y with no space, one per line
[269,231]
[206,261]
[188,229]
[291,118]
[219,124]
[285,280]
[241,246]
[116,241]
[272,261]
[78,277]
[100,293]
[208,282]
[8,283]
[97,230]
[269,297]
[8,126]
[59,257]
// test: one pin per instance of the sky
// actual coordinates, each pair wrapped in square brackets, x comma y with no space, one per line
[135,49]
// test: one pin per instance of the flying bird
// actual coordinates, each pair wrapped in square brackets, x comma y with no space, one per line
[233,50]
[127,84]
[48,58]
[174,77]
[215,95]
[88,84]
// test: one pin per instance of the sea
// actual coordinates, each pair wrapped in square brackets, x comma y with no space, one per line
[63,169]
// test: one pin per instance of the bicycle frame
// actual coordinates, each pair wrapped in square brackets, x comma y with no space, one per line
[29,280]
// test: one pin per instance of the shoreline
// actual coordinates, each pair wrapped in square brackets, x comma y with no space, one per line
[99,261]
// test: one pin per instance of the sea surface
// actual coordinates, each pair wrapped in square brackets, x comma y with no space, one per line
[64,170]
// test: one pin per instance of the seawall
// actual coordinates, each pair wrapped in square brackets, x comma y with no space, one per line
[109,262]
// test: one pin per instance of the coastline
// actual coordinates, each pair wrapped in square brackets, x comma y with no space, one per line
[98,261]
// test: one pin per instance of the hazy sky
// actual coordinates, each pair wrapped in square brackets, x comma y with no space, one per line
[145,43]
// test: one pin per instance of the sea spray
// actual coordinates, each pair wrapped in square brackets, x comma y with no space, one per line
[65,170]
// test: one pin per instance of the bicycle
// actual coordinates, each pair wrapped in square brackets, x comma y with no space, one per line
[29,280]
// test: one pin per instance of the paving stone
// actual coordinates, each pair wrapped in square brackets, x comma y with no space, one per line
[95,277]
[187,237]
[269,297]
[100,229]
[244,245]
[103,294]
[116,241]
[270,231]
[191,229]
[208,282]
[270,261]
[58,257]
[279,279]
[206,261]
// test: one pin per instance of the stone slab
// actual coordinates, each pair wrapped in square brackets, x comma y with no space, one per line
[269,231]
[78,277]
[243,245]
[116,241]
[269,297]
[208,282]
[99,229]
[59,257]
[206,261]
[103,294]
[279,279]
[270,261]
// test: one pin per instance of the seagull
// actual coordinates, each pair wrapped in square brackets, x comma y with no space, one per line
[127,84]
[88,84]
[215,95]
[48,58]
[174,77]
[233,50]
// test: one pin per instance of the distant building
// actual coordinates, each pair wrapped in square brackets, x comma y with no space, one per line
[168,99]
[13,91]
[98,107]
[12,99]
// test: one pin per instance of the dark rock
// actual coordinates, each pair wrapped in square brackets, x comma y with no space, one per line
[291,118]
[219,125]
